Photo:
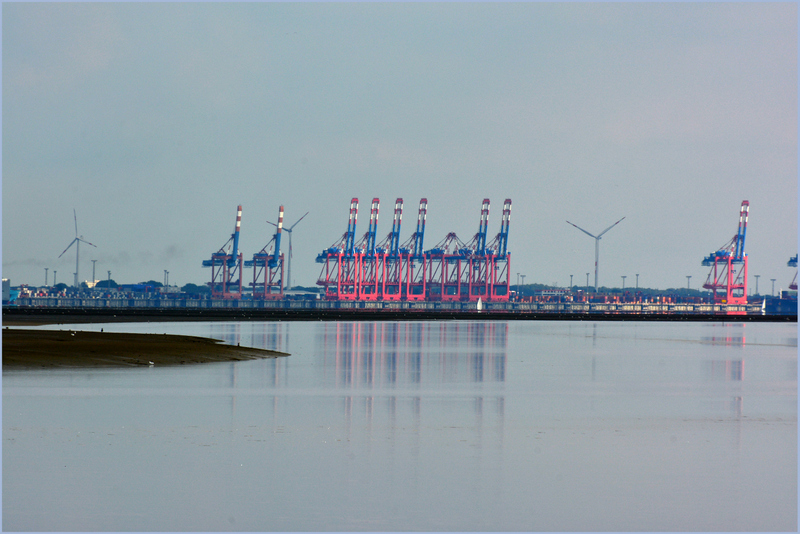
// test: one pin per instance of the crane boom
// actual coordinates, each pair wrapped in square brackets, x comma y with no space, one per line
[394,240]
[373,227]
[743,215]
[420,234]
[504,223]
[273,262]
[350,236]
[232,260]
[483,227]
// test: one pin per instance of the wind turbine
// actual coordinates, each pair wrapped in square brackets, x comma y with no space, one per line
[77,242]
[596,246]
[289,269]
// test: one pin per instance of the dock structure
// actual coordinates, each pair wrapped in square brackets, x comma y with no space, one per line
[98,310]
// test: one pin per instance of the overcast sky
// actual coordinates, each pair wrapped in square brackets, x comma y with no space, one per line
[155,120]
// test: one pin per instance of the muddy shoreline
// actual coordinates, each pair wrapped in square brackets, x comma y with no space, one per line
[41,349]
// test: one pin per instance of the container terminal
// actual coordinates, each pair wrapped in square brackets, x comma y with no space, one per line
[371,279]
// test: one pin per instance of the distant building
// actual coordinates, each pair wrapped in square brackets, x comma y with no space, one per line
[9,295]
[558,292]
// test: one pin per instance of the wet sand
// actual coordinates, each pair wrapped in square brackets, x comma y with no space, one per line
[37,349]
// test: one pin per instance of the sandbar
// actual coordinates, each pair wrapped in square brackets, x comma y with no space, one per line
[38,349]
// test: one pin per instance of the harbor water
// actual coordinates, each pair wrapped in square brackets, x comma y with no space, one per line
[440,425]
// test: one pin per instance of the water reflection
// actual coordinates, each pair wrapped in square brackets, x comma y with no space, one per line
[386,372]
[370,355]
[396,371]
[728,341]
[730,370]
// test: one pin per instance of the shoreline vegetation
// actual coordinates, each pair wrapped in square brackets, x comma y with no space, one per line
[42,349]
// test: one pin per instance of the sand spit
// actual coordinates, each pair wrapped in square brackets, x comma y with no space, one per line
[37,349]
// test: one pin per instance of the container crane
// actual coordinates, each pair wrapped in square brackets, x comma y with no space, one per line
[268,267]
[445,267]
[728,276]
[391,275]
[342,263]
[370,262]
[499,282]
[477,276]
[226,266]
[415,260]
[793,263]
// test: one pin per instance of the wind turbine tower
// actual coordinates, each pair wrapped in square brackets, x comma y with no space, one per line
[77,242]
[596,247]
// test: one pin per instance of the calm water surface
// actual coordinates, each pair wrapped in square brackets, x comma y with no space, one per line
[398,426]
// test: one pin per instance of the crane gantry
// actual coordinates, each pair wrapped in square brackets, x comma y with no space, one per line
[226,267]
[451,271]
[727,279]
[267,267]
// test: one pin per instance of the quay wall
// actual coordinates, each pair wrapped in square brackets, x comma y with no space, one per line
[538,307]
[131,309]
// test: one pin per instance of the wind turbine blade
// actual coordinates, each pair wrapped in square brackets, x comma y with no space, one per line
[582,230]
[298,220]
[74,214]
[610,227]
[84,241]
[70,244]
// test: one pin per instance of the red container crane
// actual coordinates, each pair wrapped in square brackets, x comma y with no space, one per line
[340,275]
[728,276]
[267,267]
[226,267]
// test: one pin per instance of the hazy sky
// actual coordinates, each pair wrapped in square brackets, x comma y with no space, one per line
[155,120]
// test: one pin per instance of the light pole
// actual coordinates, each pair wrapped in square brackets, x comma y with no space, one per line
[587,281]
[570,282]
[109,281]
[637,282]
[45,276]
[94,264]
[623,282]
[54,277]
[773,286]
[757,283]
